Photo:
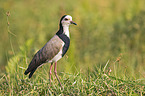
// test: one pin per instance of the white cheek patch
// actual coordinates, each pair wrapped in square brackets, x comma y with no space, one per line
[67,17]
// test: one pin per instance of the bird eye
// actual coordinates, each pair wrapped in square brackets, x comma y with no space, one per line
[65,19]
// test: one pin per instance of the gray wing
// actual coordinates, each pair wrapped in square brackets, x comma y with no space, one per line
[51,48]
[46,53]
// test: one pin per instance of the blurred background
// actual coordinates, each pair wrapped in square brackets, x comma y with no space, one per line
[111,30]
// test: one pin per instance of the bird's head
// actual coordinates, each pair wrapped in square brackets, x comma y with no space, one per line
[66,20]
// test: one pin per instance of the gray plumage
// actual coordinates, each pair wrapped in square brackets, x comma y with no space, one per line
[45,54]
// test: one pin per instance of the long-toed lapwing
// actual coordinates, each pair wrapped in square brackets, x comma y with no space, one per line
[54,49]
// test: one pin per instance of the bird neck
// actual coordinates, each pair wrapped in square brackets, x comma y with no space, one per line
[66,30]
[63,30]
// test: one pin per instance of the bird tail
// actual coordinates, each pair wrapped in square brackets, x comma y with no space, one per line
[33,66]
[30,75]
[26,72]
[31,72]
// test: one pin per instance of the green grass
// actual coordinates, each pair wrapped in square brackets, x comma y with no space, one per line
[106,54]
[97,82]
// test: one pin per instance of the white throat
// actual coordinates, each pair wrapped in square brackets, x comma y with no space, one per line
[66,30]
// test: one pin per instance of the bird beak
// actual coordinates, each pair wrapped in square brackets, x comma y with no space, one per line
[72,22]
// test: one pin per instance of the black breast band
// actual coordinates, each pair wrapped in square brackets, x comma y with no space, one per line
[66,41]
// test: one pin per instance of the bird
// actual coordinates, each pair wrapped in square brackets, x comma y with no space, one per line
[53,50]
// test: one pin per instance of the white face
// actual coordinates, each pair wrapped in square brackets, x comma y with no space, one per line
[66,20]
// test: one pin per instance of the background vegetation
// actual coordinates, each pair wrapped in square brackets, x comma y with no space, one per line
[106,55]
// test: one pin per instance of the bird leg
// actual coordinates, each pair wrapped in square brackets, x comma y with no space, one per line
[55,72]
[50,74]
